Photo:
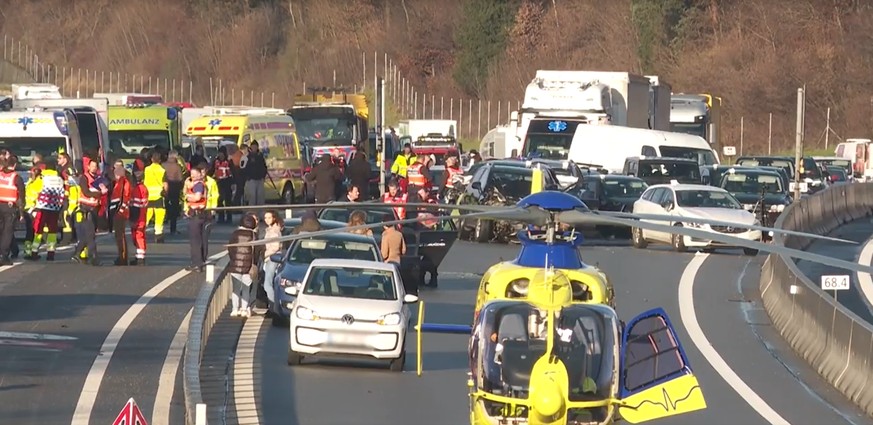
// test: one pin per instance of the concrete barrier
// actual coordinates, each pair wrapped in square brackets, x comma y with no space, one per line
[211,301]
[836,342]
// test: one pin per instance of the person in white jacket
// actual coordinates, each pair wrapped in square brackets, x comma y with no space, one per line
[274,228]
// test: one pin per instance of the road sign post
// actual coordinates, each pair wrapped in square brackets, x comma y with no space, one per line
[835,283]
[729,152]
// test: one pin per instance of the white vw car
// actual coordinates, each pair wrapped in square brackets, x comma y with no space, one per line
[350,307]
[697,201]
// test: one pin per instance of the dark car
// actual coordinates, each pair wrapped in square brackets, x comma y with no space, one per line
[609,192]
[813,174]
[552,181]
[423,245]
[838,174]
[661,170]
[760,191]
[294,262]
[567,172]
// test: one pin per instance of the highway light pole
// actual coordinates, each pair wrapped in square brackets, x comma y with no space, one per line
[380,132]
[798,146]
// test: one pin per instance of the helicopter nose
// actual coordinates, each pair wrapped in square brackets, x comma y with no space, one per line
[549,399]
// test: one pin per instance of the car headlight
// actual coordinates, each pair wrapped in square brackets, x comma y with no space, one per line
[520,286]
[304,313]
[391,319]
[286,283]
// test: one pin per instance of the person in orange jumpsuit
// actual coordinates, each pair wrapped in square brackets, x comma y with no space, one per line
[119,209]
[139,203]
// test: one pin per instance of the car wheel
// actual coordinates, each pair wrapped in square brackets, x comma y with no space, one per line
[637,238]
[288,194]
[679,242]
[463,231]
[398,363]
[278,321]
[750,252]
[294,358]
[483,230]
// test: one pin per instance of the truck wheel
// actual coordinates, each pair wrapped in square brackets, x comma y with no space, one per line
[288,194]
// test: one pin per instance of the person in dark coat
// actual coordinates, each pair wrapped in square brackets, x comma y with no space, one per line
[325,175]
[242,266]
[308,223]
[358,173]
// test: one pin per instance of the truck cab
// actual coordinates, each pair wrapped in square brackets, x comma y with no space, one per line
[437,145]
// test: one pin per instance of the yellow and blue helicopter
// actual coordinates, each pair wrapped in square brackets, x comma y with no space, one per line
[547,357]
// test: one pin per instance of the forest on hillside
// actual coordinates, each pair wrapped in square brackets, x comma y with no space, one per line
[752,53]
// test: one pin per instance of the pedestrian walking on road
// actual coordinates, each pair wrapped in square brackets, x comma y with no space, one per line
[11,204]
[196,198]
[241,266]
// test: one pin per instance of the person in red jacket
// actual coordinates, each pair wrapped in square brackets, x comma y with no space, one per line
[119,209]
[139,202]
[395,196]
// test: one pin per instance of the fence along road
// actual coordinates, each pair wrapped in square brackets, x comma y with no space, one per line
[829,336]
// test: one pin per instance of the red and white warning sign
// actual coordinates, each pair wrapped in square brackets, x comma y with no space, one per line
[130,415]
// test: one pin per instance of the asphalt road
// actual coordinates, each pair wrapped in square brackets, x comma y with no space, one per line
[753,363]
[42,384]
[858,231]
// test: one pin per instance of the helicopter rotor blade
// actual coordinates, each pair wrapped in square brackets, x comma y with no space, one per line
[695,220]
[737,242]
[515,214]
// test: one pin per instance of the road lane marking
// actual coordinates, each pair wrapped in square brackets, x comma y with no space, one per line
[244,373]
[46,337]
[167,382]
[865,280]
[88,396]
[692,326]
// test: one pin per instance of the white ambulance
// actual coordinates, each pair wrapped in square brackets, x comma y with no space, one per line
[27,132]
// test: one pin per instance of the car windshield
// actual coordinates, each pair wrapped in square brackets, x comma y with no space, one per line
[306,250]
[320,131]
[838,174]
[624,188]
[26,148]
[833,162]
[706,199]
[702,156]
[740,182]
[510,337]
[682,172]
[129,144]
[342,215]
[351,282]
[785,164]
[548,146]
[512,183]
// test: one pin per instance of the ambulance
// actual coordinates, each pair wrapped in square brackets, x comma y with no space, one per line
[91,115]
[275,133]
[134,128]
[32,131]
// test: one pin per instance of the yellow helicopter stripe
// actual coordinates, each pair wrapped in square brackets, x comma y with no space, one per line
[674,397]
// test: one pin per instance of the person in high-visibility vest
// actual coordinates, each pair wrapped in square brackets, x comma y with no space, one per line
[139,203]
[31,193]
[395,196]
[418,176]
[196,198]
[93,187]
[401,162]
[11,204]
[155,179]
[48,207]
[68,173]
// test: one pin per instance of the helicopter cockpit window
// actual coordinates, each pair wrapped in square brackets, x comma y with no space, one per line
[651,353]
[511,338]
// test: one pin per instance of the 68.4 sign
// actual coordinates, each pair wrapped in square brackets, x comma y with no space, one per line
[835,283]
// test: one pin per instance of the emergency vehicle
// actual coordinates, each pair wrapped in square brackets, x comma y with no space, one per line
[275,133]
[134,128]
[27,132]
[330,120]
[121,99]
[437,145]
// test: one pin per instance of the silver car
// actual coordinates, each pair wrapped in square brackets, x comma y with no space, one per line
[350,307]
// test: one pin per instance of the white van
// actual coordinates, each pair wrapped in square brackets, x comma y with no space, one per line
[609,146]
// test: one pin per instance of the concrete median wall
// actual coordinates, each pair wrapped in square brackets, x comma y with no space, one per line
[835,341]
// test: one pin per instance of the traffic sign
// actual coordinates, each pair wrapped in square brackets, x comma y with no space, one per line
[835,282]
[729,150]
[130,415]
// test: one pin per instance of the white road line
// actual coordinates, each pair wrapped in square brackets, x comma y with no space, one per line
[244,373]
[692,326]
[36,337]
[88,396]
[865,281]
[167,382]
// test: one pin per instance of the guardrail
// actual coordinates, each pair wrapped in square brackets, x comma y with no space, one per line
[831,338]
[211,301]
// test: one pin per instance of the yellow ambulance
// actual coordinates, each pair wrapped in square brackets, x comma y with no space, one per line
[275,133]
[134,128]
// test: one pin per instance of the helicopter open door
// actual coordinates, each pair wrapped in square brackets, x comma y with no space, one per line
[656,380]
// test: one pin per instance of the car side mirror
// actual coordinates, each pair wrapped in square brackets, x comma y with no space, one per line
[277,258]
[291,290]
[408,299]
[476,185]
